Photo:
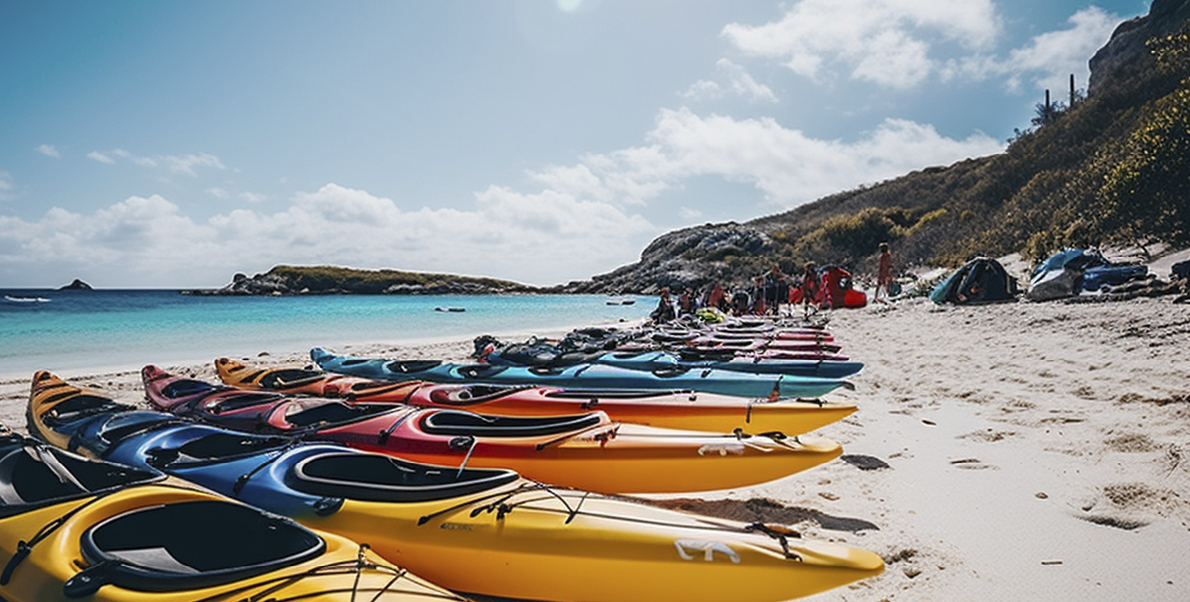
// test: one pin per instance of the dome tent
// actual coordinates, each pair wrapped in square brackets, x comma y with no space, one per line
[981,280]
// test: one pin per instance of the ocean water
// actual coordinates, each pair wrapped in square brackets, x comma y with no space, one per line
[66,331]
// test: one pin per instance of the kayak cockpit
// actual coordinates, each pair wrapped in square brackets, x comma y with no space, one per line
[455,424]
[382,478]
[172,547]
[33,476]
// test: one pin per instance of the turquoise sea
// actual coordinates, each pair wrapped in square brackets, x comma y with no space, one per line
[72,330]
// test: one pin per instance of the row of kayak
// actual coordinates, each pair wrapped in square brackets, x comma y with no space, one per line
[585,375]
[676,409]
[586,451]
[346,469]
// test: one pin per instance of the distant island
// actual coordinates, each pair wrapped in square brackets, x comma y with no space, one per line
[77,285]
[330,280]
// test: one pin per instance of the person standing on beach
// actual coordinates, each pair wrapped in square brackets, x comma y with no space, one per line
[665,308]
[774,286]
[809,287]
[883,273]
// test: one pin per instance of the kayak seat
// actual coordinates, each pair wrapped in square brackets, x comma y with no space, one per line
[380,478]
[237,400]
[80,407]
[453,423]
[472,371]
[185,388]
[472,394]
[189,545]
[614,393]
[288,378]
[334,412]
[28,482]
[411,366]
[216,447]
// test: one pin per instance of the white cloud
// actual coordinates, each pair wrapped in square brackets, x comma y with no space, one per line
[886,42]
[252,197]
[789,167]
[543,238]
[738,83]
[174,164]
[1048,59]
[218,193]
[49,151]
[186,164]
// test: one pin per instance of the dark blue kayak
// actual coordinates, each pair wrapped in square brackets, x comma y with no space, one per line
[589,376]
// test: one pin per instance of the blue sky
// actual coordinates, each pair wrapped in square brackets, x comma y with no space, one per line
[173,144]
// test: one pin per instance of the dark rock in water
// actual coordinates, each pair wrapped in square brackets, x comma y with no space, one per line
[77,285]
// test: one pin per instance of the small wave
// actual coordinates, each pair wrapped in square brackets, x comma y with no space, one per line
[12,299]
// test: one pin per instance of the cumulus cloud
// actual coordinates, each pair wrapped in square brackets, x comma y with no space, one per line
[544,237]
[736,82]
[903,43]
[1048,59]
[49,151]
[789,167]
[886,42]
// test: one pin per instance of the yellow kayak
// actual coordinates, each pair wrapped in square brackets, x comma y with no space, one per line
[527,541]
[77,529]
[683,410]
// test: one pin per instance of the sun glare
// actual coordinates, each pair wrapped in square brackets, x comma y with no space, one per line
[569,6]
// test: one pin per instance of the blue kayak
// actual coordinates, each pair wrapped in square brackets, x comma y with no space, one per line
[589,376]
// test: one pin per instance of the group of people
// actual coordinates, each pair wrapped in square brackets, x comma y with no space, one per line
[765,295]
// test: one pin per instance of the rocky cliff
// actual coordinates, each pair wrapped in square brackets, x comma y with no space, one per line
[694,257]
[1128,40]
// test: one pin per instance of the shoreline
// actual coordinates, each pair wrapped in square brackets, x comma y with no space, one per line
[1030,450]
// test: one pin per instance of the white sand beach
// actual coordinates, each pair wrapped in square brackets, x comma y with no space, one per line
[1020,451]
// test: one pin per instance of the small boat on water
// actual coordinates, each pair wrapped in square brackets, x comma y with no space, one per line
[621,300]
[451,309]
